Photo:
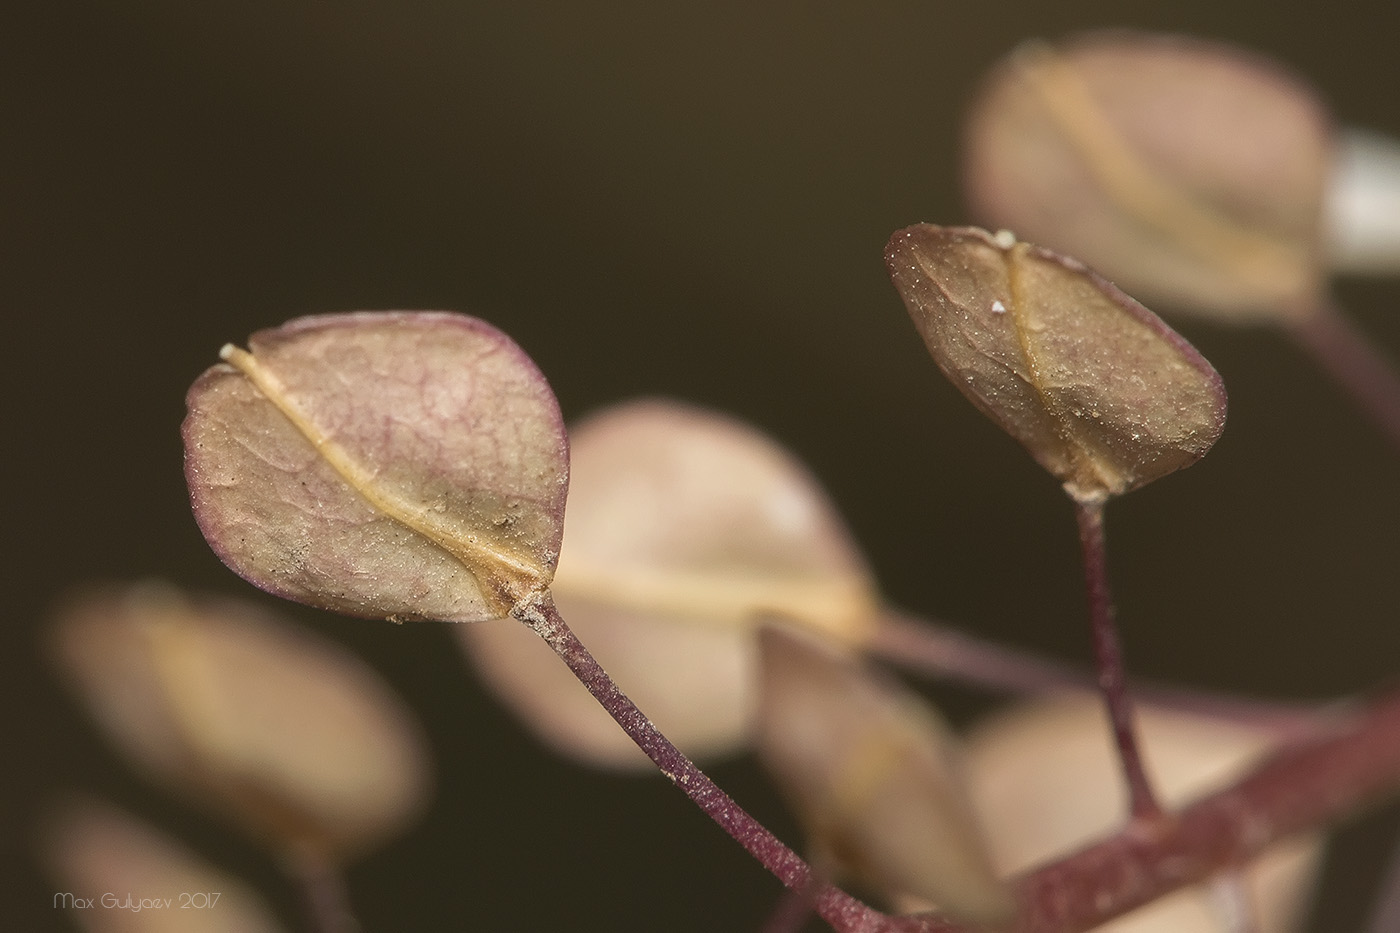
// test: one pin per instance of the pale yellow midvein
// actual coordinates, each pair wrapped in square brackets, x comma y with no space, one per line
[1076,445]
[503,577]
[184,673]
[843,606]
[1194,226]
[866,770]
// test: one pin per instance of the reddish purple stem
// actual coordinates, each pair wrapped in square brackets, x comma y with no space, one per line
[838,908]
[1108,656]
[792,910]
[1354,362]
[325,899]
[1305,786]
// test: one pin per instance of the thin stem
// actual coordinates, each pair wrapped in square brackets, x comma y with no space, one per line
[1354,362]
[793,910]
[838,908]
[1305,786]
[1108,655]
[939,650]
[323,892]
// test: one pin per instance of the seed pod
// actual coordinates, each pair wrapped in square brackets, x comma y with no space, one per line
[403,464]
[1104,395]
[140,881]
[1363,205]
[1190,172]
[684,528]
[875,776]
[291,736]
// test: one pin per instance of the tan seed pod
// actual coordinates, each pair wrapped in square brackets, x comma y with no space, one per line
[409,465]
[131,878]
[1104,395]
[290,735]
[875,776]
[1190,172]
[684,528]
[1363,205]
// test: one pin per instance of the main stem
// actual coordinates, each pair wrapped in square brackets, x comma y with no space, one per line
[834,905]
[324,897]
[1108,655]
[1304,786]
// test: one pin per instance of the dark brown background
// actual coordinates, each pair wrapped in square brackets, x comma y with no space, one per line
[685,199]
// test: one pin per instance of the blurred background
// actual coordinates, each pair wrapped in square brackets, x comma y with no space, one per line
[688,200]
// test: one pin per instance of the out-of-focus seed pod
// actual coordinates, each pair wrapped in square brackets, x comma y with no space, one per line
[1363,205]
[1045,780]
[133,879]
[684,528]
[292,736]
[874,775]
[1190,172]
[697,683]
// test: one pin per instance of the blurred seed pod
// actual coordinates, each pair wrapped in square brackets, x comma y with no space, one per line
[1104,395]
[140,881]
[683,528]
[1045,780]
[1192,173]
[1363,205]
[875,777]
[292,736]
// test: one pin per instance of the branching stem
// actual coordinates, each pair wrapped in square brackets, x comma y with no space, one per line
[1307,785]
[838,908]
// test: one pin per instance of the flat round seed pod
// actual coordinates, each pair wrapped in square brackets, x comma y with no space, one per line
[291,735]
[1104,395]
[1190,172]
[403,464]
[118,875]
[684,529]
